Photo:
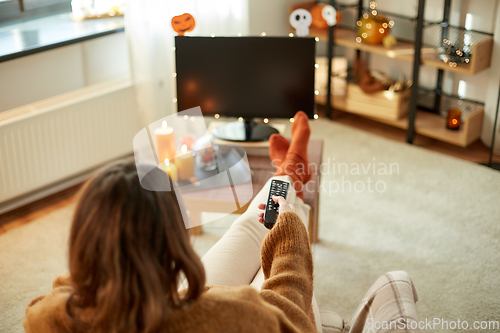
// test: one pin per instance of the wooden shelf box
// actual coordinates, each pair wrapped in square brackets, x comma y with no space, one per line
[385,104]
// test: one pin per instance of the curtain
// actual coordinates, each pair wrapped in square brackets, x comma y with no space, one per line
[151,44]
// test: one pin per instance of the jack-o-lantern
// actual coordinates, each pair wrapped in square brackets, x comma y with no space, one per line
[183,23]
[318,21]
[373,28]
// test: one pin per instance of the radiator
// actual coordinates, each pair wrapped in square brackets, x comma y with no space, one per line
[51,141]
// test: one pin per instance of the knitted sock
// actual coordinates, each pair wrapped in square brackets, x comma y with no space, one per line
[278,147]
[296,163]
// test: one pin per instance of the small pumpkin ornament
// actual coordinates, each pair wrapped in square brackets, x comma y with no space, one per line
[373,28]
[183,23]
[318,21]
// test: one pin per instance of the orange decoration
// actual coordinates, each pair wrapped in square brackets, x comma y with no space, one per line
[373,28]
[318,21]
[183,23]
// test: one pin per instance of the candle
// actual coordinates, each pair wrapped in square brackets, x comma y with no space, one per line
[171,169]
[184,161]
[165,142]
[453,119]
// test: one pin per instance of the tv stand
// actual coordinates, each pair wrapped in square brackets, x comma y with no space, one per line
[246,130]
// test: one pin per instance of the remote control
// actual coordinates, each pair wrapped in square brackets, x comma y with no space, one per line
[278,188]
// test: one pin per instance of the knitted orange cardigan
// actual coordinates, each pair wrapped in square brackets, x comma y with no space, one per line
[283,305]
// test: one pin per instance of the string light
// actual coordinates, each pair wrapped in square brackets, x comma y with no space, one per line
[174,100]
[240,119]
[292,120]
[316,116]
[385,25]
[316,39]
[316,65]
[174,75]
[452,55]
[186,117]
[216,116]
[316,92]
[212,35]
[381,30]
[365,16]
[290,34]
[358,39]
[192,118]
[364,35]
[173,48]
[263,34]
[240,34]
[368,26]
[374,12]
[359,23]
[266,120]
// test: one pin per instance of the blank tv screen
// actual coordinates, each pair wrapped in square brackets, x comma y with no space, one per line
[246,77]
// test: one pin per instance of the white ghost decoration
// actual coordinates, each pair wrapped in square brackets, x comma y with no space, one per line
[301,20]
[329,13]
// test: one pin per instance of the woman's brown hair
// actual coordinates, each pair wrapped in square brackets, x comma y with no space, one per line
[127,249]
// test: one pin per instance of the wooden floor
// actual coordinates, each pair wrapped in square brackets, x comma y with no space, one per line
[476,152]
[28,213]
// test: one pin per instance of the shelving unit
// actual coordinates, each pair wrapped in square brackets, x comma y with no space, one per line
[418,42]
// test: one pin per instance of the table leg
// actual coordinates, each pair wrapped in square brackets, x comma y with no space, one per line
[313,226]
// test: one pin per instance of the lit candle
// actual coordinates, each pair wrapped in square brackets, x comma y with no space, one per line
[165,142]
[185,163]
[453,119]
[171,169]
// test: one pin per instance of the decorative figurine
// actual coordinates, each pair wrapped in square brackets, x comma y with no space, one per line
[329,13]
[301,20]
[183,23]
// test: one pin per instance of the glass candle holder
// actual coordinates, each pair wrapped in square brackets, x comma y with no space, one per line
[453,119]
[205,152]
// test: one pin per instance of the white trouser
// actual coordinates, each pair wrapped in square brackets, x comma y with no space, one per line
[235,259]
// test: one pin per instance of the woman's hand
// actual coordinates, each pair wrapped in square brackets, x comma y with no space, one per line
[284,207]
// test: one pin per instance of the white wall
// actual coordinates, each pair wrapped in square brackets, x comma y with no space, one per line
[46,74]
[270,17]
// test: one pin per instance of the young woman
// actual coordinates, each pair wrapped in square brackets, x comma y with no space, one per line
[129,250]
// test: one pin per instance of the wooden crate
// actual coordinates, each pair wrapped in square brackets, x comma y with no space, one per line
[386,104]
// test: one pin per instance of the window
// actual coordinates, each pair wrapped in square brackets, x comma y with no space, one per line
[23,9]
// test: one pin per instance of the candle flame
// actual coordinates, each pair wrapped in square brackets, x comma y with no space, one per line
[184,149]
[164,124]
[167,162]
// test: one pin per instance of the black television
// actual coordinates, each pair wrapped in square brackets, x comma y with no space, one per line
[247,77]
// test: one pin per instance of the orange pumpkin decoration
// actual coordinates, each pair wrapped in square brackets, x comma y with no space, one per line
[183,23]
[318,21]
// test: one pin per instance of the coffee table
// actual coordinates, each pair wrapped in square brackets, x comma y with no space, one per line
[211,200]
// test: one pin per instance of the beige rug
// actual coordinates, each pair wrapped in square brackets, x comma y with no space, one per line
[438,218]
